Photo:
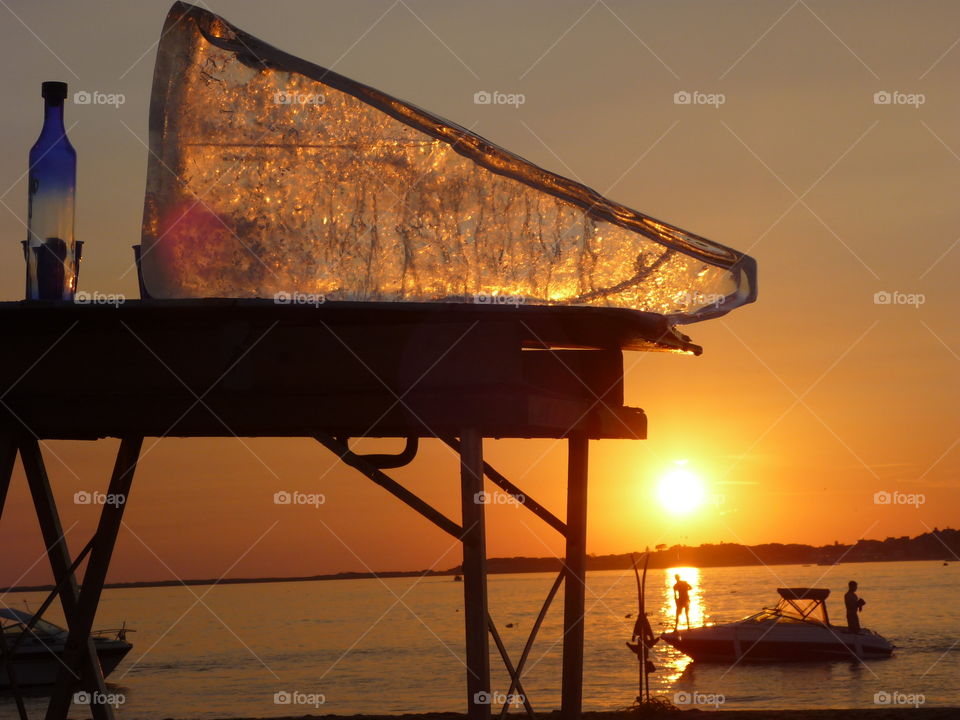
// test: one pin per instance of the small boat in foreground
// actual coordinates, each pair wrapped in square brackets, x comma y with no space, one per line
[39,650]
[797,629]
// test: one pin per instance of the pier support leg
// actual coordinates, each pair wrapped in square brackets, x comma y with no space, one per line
[84,671]
[59,557]
[8,456]
[95,575]
[575,584]
[474,575]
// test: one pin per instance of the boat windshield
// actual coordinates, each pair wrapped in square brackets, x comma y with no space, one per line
[768,615]
[41,627]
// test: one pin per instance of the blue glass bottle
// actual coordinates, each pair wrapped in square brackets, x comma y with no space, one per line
[51,247]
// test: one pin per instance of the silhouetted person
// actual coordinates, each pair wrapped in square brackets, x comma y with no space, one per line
[681,594]
[854,605]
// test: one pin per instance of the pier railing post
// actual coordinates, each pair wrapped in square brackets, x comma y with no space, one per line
[475,575]
[575,584]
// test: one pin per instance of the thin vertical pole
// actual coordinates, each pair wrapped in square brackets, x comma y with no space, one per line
[474,575]
[101,551]
[643,614]
[574,595]
[639,625]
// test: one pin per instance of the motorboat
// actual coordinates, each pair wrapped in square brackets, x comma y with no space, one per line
[38,647]
[797,629]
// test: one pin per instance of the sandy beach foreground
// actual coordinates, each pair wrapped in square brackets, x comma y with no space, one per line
[901,713]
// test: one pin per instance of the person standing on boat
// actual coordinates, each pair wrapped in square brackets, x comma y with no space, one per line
[681,594]
[854,605]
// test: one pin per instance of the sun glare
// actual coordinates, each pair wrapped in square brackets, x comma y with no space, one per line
[680,491]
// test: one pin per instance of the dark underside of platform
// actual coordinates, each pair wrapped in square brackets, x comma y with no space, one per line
[256,368]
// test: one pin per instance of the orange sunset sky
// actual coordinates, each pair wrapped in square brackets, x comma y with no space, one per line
[802,406]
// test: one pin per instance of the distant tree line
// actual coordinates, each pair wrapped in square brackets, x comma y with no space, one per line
[943,545]
[940,545]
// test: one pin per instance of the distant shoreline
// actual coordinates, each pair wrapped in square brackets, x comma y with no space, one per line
[936,546]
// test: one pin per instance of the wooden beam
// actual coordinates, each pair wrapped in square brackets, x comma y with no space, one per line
[508,487]
[344,366]
[91,679]
[474,575]
[533,636]
[571,705]
[95,575]
[358,462]
[515,680]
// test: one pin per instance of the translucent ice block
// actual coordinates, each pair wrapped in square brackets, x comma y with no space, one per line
[269,174]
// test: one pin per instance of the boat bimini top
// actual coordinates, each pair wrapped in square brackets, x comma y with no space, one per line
[798,605]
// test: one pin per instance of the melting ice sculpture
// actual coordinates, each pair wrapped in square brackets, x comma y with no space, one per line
[269,174]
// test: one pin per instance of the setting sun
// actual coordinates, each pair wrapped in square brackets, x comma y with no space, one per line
[680,491]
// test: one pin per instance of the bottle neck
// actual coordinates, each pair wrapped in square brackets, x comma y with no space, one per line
[53,116]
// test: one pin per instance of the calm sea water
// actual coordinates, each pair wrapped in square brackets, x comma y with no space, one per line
[395,646]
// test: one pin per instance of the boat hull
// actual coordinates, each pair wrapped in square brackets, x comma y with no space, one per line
[37,665]
[739,643]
